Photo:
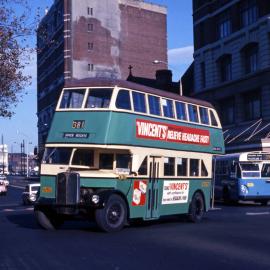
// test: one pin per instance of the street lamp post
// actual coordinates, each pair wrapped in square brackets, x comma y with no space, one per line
[27,152]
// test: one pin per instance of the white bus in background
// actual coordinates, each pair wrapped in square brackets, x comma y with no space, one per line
[3,159]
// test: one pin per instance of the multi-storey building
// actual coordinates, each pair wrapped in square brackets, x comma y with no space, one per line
[96,38]
[232,67]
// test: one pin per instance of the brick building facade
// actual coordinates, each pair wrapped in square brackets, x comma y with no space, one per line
[96,38]
[232,68]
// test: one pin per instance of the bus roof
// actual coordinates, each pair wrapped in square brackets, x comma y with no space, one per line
[104,82]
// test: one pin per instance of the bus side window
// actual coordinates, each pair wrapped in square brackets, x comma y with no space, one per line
[204,171]
[213,119]
[234,170]
[193,113]
[169,165]
[83,157]
[181,166]
[123,161]
[181,110]
[139,102]
[106,161]
[194,167]
[143,168]
[204,115]
[154,105]
[123,100]
[167,106]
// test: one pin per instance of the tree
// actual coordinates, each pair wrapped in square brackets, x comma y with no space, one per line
[14,53]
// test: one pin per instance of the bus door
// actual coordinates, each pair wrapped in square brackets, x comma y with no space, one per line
[153,190]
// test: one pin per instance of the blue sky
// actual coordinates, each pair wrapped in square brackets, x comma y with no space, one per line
[180,49]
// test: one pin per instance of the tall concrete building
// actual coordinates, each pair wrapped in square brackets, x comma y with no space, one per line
[79,39]
[232,68]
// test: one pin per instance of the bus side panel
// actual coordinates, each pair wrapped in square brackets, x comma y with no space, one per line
[257,188]
[141,206]
[47,187]
[203,186]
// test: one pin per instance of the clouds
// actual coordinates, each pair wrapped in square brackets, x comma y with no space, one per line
[181,56]
[179,60]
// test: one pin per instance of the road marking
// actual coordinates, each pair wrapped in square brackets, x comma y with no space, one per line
[258,214]
[20,187]
[17,210]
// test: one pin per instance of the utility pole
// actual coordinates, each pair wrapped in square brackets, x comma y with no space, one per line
[3,165]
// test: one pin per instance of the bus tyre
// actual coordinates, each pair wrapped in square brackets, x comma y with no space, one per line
[48,221]
[196,208]
[113,216]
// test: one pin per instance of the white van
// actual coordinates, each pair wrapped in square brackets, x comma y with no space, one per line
[29,195]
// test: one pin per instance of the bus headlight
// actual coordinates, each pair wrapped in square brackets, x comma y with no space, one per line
[95,199]
[244,189]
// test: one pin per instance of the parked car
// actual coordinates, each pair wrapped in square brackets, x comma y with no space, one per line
[3,188]
[30,194]
[4,179]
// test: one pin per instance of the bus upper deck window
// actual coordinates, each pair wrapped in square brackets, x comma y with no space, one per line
[266,170]
[139,102]
[167,106]
[72,98]
[123,100]
[213,119]
[154,105]
[83,157]
[99,98]
[181,112]
[193,113]
[204,116]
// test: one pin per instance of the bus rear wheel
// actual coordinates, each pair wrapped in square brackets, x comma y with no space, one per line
[196,208]
[47,220]
[113,216]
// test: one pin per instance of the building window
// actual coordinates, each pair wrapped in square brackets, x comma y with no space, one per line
[224,25]
[203,76]
[250,58]
[227,111]
[90,67]
[249,13]
[90,46]
[225,68]
[90,27]
[90,11]
[252,103]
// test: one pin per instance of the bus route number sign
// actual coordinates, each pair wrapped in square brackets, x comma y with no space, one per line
[78,124]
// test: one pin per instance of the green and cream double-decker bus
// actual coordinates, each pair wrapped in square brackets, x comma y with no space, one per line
[118,151]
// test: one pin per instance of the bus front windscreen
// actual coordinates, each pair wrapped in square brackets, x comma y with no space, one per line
[250,169]
[57,155]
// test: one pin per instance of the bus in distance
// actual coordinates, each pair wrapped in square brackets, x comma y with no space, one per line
[118,151]
[243,176]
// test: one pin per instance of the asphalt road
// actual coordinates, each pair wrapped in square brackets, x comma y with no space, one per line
[230,237]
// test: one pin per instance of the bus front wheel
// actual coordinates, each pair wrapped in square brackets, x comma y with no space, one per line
[113,216]
[196,208]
